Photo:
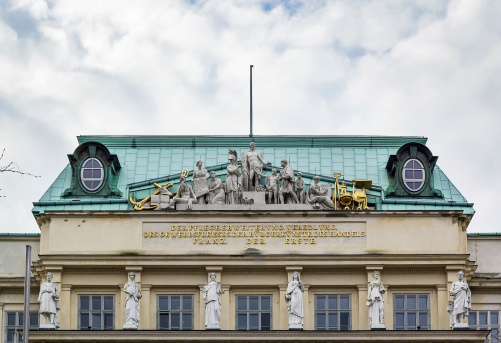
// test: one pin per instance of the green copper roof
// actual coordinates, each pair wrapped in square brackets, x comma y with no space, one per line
[158,157]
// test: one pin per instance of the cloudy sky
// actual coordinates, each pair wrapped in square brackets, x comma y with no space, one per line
[424,68]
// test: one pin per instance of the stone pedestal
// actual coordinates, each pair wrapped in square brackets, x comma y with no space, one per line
[461,326]
[47,327]
[378,327]
[295,327]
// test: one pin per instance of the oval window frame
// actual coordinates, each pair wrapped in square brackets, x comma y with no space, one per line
[405,180]
[83,179]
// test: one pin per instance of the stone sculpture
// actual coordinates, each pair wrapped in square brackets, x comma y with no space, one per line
[253,166]
[185,195]
[287,194]
[461,293]
[216,189]
[375,301]
[212,296]
[233,184]
[319,195]
[294,300]
[132,296]
[272,183]
[199,179]
[300,188]
[48,299]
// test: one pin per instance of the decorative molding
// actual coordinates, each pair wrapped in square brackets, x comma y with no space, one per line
[413,271]
[486,290]
[255,271]
[333,271]
[95,271]
[19,290]
[173,271]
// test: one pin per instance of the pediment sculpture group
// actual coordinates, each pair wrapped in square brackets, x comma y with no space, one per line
[458,307]
[280,187]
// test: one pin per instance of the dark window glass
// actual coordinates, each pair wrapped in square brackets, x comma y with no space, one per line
[96,312]
[14,323]
[92,174]
[187,303]
[175,303]
[332,312]
[241,303]
[411,311]
[265,303]
[494,318]
[253,303]
[411,302]
[399,302]
[175,312]
[253,312]
[485,320]
[482,318]
[413,175]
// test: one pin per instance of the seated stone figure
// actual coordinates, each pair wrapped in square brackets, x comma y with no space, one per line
[216,189]
[185,195]
[319,195]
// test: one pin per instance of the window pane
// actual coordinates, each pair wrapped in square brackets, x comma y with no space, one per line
[96,321]
[20,318]
[472,318]
[242,321]
[108,321]
[187,303]
[265,320]
[423,319]
[96,173]
[253,321]
[409,164]
[344,301]
[253,302]
[418,174]
[163,303]
[11,318]
[242,303]
[345,319]
[399,319]
[187,321]
[84,321]
[411,302]
[163,323]
[88,164]
[321,320]
[409,174]
[423,302]
[399,302]
[33,319]
[84,302]
[494,318]
[10,332]
[175,321]
[175,302]
[332,302]
[411,321]
[320,299]
[265,303]
[87,173]
[108,302]
[332,321]
[96,302]
[482,318]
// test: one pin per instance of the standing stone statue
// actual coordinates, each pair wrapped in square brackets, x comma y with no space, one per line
[132,296]
[200,177]
[375,300]
[253,166]
[185,195]
[300,188]
[272,183]
[287,194]
[233,184]
[294,300]
[462,301]
[216,189]
[319,195]
[212,296]
[48,299]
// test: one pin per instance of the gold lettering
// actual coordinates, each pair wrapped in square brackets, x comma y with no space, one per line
[261,241]
[286,241]
[249,241]
[312,241]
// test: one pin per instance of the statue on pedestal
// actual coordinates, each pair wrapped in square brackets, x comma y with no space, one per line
[287,194]
[375,300]
[185,195]
[319,195]
[199,179]
[294,300]
[300,188]
[216,189]
[48,299]
[132,296]
[272,183]
[461,293]
[253,167]
[212,296]
[233,184]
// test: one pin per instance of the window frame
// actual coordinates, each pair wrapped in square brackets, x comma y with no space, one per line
[83,179]
[91,311]
[248,311]
[338,310]
[417,311]
[17,326]
[180,311]
[488,326]
[405,180]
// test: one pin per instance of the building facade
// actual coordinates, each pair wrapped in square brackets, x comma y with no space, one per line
[368,206]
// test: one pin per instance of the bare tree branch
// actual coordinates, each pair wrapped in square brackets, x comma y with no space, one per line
[13,168]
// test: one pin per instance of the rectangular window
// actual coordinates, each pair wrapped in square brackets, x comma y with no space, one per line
[333,312]
[175,312]
[14,322]
[253,312]
[96,312]
[486,320]
[411,311]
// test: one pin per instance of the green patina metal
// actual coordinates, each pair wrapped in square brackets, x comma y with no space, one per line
[147,159]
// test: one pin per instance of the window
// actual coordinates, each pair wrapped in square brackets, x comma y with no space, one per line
[254,312]
[175,312]
[14,322]
[413,175]
[481,320]
[332,312]
[92,174]
[96,312]
[411,311]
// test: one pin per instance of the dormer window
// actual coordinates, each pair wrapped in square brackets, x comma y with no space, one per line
[92,174]
[413,175]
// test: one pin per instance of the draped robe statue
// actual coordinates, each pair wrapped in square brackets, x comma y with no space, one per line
[294,300]
[132,296]
[461,293]
[211,294]
[48,298]
[375,300]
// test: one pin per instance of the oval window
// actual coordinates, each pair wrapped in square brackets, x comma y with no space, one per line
[92,174]
[413,175]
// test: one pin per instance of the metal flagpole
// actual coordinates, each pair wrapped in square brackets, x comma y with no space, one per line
[27,280]
[251,99]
